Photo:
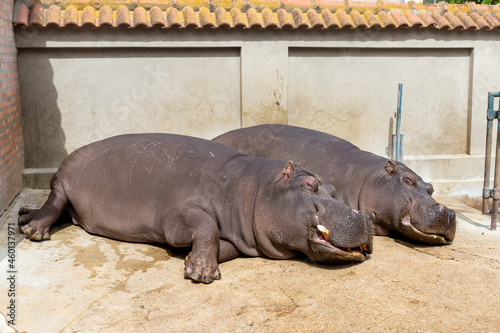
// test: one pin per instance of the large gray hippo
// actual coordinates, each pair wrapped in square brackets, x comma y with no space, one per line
[189,192]
[396,198]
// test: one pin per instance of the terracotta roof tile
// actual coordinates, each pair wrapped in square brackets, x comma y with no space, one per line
[54,15]
[480,22]
[238,18]
[292,14]
[70,16]
[453,20]
[284,18]
[385,19]
[140,17]
[173,18]
[343,19]
[89,16]
[105,16]
[491,21]
[358,20]
[269,18]
[412,19]
[427,20]
[329,19]
[440,20]
[466,20]
[23,15]
[254,19]
[371,20]
[314,19]
[222,18]
[156,16]
[399,19]
[36,15]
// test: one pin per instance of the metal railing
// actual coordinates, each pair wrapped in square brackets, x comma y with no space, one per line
[397,139]
[487,191]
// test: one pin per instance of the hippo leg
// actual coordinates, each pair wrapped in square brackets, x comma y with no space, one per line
[201,263]
[227,251]
[36,223]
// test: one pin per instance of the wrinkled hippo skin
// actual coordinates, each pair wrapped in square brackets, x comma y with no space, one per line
[188,192]
[396,198]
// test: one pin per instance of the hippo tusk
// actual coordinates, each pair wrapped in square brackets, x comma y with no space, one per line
[422,236]
[324,231]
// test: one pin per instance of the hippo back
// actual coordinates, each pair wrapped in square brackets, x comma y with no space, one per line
[335,160]
[150,174]
[396,198]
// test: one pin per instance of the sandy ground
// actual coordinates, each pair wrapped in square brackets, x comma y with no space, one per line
[77,282]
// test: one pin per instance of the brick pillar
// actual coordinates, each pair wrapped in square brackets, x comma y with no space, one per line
[11,137]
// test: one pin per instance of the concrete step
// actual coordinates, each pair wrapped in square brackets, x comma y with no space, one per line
[447,167]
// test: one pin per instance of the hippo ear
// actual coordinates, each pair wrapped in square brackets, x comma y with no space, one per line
[390,167]
[330,189]
[288,169]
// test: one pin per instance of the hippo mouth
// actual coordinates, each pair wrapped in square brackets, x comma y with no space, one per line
[326,251]
[416,234]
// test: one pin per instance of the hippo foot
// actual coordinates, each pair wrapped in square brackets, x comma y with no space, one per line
[200,269]
[31,226]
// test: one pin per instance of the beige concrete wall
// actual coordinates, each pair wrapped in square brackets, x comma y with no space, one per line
[352,93]
[79,96]
[82,85]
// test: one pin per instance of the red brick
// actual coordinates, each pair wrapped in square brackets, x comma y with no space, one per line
[11,143]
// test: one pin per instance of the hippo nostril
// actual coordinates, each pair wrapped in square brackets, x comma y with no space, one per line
[440,209]
[316,208]
[355,214]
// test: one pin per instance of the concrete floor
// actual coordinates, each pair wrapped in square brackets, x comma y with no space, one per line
[78,282]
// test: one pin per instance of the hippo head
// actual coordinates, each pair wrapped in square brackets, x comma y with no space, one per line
[301,215]
[406,206]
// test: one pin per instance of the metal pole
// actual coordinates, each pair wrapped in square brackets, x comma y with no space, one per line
[398,124]
[496,184]
[487,162]
[495,192]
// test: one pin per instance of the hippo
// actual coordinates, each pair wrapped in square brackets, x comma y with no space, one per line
[396,198]
[183,191]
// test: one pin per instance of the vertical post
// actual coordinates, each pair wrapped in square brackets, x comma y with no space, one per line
[495,192]
[487,162]
[496,184]
[399,156]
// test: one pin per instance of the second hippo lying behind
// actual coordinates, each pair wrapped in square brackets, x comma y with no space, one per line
[188,192]
[396,198]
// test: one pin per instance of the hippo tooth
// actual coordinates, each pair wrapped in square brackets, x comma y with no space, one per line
[324,231]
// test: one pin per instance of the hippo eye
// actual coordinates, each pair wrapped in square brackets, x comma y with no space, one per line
[310,184]
[409,180]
